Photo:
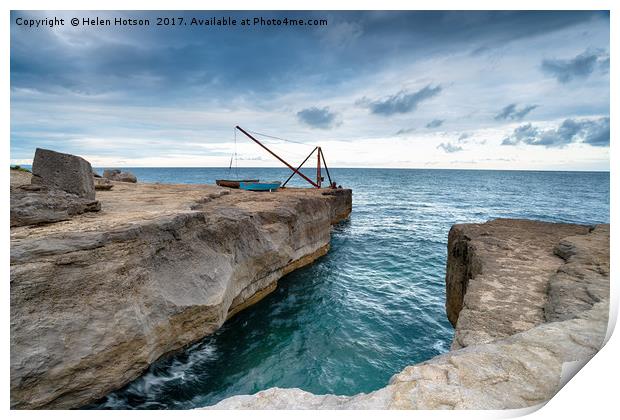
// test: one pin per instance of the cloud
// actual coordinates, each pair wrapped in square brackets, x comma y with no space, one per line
[525,133]
[402,102]
[318,117]
[187,65]
[188,86]
[579,67]
[511,112]
[405,131]
[449,148]
[435,124]
[251,158]
[604,64]
[594,132]
[468,138]
[598,133]
[342,34]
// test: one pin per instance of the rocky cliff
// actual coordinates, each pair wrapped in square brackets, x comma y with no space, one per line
[97,298]
[59,187]
[527,298]
[521,262]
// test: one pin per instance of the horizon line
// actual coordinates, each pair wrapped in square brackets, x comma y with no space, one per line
[345,167]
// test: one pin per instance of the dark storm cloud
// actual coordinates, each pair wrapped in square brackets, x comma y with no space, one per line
[479,31]
[160,64]
[317,117]
[449,147]
[502,28]
[400,103]
[435,124]
[156,63]
[579,67]
[511,112]
[594,132]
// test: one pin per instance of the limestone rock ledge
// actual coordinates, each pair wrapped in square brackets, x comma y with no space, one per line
[98,298]
[525,297]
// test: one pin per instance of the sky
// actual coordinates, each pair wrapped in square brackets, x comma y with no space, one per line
[466,90]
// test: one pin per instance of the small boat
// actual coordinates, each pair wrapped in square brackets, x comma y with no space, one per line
[260,186]
[232,183]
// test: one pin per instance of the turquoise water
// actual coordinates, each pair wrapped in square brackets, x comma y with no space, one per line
[375,303]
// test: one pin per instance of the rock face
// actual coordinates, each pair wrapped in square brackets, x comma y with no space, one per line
[103,184]
[60,187]
[19,178]
[33,204]
[65,172]
[117,175]
[545,288]
[96,299]
[509,295]
[583,280]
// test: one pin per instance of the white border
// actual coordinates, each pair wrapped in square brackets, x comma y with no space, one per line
[591,393]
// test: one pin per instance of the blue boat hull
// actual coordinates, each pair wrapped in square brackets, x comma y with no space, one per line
[260,186]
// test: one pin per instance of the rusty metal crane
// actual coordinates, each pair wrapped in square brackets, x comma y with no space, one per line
[320,157]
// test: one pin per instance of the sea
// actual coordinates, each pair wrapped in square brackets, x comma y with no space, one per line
[375,303]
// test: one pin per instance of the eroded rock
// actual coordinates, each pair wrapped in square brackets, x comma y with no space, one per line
[502,288]
[103,184]
[583,279]
[96,300]
[120,176]
[63,171]
[31,205]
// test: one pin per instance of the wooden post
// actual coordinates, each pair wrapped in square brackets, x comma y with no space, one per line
[318,167]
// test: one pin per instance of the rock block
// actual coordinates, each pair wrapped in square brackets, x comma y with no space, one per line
[63,171]
[117,175]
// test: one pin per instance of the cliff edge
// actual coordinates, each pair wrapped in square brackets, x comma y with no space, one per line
[526,298]
[96,299]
